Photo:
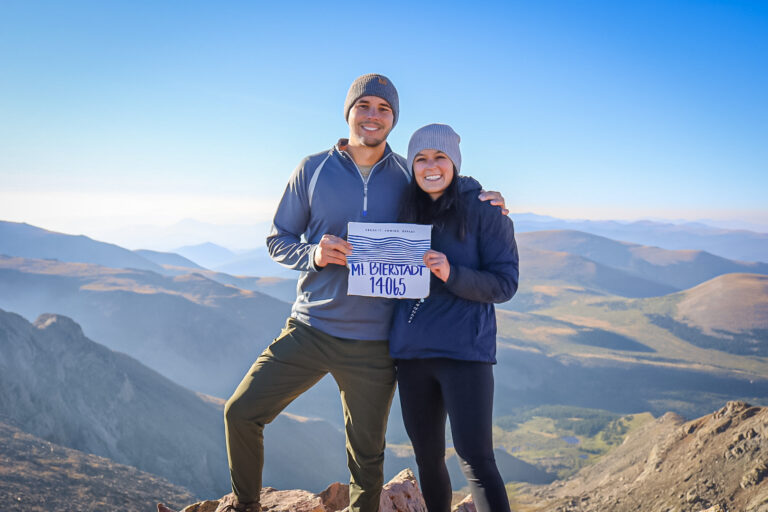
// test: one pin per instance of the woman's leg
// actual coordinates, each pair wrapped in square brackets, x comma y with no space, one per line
[424,418]
[468,394]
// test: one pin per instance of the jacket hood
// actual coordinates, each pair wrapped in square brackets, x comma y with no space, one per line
[469,184]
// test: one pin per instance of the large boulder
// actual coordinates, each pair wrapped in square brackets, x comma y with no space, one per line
[401,494]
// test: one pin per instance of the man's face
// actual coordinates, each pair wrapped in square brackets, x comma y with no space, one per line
[370,121]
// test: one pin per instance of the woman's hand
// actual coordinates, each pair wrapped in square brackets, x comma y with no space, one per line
[437,263]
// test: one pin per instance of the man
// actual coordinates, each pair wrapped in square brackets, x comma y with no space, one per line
[359,179]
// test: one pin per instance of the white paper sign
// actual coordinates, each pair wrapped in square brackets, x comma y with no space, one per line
[387,260]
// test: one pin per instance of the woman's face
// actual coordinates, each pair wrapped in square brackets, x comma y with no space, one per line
[433,171]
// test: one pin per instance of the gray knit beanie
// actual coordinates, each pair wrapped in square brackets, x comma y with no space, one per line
[435,136]
[373,85]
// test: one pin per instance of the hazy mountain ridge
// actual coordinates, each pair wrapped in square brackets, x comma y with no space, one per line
[200,321]
[742,245]
[24,240]
[168,259]
[206,254]
[678,268]
[539,267]
[254,262]
[176,325]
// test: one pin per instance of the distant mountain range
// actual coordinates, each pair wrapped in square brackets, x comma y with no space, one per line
[596,323]
[734,244]
[677,268]
[205,328]
[256,262]
[168,259]
[27,241]
[201,334]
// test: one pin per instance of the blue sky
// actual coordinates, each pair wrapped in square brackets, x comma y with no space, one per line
[116,114]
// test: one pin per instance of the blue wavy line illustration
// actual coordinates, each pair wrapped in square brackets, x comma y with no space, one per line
[397,250]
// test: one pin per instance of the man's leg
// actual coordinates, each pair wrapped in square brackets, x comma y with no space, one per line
[366,378]
[293,363]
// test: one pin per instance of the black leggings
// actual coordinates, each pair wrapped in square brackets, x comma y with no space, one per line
[430,389]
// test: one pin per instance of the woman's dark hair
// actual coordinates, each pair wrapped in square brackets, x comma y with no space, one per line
[418,208]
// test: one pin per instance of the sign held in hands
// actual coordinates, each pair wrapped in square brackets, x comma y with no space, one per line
[387,260]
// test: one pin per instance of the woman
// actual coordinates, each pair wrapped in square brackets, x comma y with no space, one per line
[445,345]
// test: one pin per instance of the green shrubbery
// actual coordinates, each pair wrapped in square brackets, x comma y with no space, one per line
[579,420]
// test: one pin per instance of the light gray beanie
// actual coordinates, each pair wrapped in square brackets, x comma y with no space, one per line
[373,84]
[435,136]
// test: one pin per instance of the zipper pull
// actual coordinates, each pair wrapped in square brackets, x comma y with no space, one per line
[415,309]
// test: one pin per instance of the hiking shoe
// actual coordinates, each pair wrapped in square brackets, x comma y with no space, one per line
[229,503]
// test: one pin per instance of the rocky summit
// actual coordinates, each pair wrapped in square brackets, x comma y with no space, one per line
[401,494]
[717,463]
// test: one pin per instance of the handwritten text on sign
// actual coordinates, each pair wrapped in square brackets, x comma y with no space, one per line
[387,260]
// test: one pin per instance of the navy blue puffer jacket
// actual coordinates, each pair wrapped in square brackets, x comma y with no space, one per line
[458,319]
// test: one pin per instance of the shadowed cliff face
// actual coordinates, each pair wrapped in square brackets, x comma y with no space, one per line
[57,384]
[60,386]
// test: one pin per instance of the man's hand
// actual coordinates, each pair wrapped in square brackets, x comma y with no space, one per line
[495,198]
[437,263]
[332,249]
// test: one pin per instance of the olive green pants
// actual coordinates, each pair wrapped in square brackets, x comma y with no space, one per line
[292,364]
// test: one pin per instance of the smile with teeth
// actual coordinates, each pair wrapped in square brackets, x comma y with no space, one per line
[434,177]
[369,128]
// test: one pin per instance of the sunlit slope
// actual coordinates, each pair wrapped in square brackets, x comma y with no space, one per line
[733,303]
[635,355]
[673,330]
[728,313]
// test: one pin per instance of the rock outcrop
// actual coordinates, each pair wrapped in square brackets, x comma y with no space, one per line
[716,463]
[401,494]
[39,476]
